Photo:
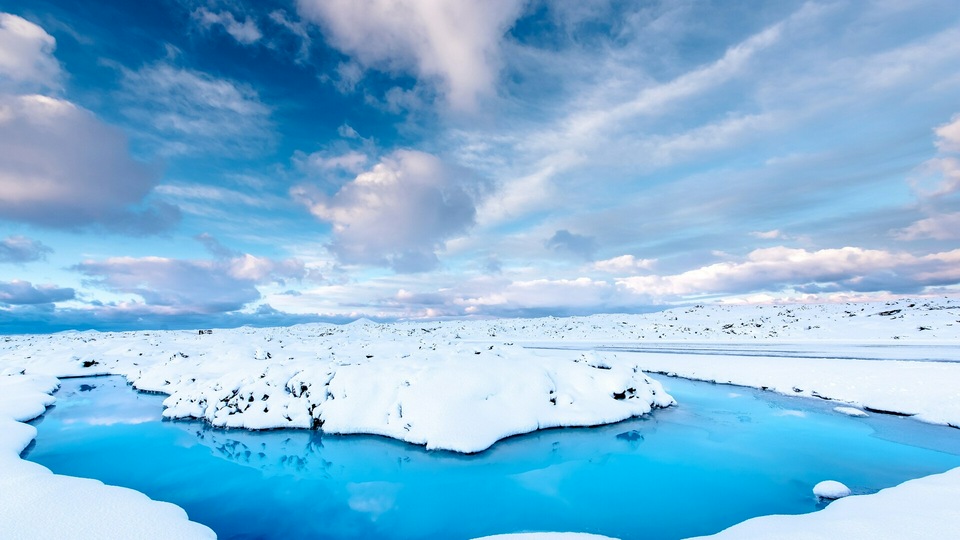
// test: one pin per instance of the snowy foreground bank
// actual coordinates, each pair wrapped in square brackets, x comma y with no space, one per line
[36,504]
[463,385]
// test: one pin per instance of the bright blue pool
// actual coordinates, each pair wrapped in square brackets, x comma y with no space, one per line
[723,455]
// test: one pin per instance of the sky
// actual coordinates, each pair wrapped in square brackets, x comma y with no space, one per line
[209,163]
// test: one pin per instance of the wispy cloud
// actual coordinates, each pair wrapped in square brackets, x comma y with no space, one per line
[184,111]
[245,31]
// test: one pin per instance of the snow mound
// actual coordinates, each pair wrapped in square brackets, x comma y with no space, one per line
[445,397]
[831,489]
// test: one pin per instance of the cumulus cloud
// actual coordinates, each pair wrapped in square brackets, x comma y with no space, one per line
[26,56]
[245,32]
[776,268]
[396,214]
[19,292]
[623,265]
[577,244]
[455,45]
[20,249]
[62,167]
[183,111]
[174,286]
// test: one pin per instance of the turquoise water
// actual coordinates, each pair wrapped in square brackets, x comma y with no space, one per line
[723,455]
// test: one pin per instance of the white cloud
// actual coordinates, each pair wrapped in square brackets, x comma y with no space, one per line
[26,56]
[224,284]
[777,268]
[183,111]
[767,235]
[501,296]
[246,32]
[937,226]
[935,183]
[323,162]
[397,214]
[455,45]
[949,135]
[624,265]
[61,167]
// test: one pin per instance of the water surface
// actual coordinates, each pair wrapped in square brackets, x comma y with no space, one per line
[723,455]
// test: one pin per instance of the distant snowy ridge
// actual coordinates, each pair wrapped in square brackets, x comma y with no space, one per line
[36,504]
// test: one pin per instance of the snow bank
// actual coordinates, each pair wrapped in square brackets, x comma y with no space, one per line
[831,489]
[37,504]
[918,509]
[923,390]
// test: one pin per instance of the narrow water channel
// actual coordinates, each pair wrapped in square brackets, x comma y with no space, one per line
[724,454]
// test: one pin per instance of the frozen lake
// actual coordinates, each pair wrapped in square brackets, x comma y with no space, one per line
[723,455]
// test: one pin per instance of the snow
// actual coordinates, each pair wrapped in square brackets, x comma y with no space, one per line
[463,385]
[917,509]
[851,411]
[924,390]
[420,385]
[831,489]
[36,504]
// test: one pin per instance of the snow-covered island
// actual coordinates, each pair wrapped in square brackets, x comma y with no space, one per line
[463,385]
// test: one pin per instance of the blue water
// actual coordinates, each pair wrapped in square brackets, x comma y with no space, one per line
[723,455]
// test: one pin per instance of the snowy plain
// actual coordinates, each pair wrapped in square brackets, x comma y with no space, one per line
[463,385]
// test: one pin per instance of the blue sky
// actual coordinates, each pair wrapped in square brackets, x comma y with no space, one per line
[185,163]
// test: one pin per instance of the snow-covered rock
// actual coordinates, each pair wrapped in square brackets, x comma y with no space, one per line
[830,489]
